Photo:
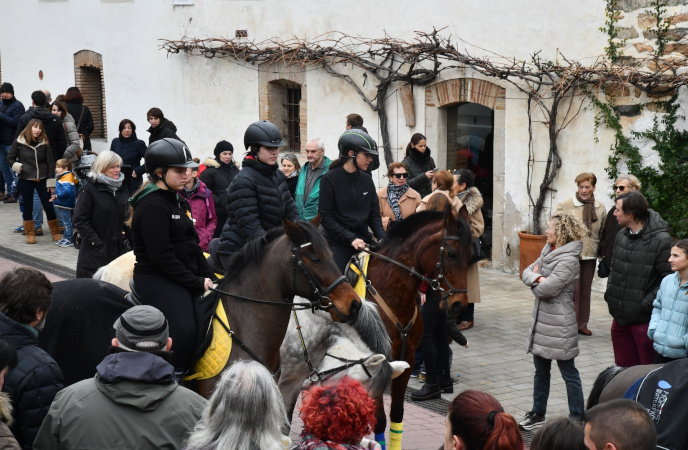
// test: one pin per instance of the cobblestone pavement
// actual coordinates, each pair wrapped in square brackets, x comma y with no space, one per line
[496,360]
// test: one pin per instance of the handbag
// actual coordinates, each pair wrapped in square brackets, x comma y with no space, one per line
[602,269]
[478,254]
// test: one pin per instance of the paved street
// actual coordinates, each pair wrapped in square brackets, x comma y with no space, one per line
[495,361]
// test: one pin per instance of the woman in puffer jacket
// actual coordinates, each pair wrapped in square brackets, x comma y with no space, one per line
[669,324]
[202,208]
[217,176]
[73,141]
[553,330]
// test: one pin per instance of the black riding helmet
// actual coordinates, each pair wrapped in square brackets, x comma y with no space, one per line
[263,133]
[356,140]
[168,152]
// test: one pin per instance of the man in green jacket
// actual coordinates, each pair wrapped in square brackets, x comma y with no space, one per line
[308,186]
[133,401]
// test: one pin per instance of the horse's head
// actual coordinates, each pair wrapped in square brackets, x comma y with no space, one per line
[458,250]
[315,275]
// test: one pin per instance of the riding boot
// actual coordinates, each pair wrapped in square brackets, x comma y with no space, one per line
[431,390]
[446,382]
[55,229]
[30,232]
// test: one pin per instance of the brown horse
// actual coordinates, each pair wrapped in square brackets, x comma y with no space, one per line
[430,244]
[285,262]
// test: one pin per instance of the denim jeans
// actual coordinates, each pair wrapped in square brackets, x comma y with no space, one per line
[574,389]
[65,216]
[37,211]
[5,168]
[26,190]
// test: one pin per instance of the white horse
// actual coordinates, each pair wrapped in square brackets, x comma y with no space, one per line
[119,272]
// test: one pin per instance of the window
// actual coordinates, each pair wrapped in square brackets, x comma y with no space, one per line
[88,74]
[293,122]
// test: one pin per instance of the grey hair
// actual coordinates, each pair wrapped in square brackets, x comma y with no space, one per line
[103,162]
[321,144]
[245,412]
[632,180]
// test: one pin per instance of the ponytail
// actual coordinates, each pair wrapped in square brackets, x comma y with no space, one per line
[505,434]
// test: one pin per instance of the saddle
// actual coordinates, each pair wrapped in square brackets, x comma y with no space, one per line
[355,272]
[214,350]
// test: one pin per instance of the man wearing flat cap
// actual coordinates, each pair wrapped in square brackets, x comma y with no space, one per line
[133,401]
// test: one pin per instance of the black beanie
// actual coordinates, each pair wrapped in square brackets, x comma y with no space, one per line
[223,146]
[6,87]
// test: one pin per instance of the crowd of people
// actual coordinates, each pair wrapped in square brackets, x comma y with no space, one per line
[158,201]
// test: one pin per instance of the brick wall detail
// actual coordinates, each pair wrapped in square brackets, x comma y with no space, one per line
[88,77]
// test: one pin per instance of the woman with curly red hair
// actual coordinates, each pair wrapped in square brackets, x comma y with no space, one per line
[477,421]
[337,416]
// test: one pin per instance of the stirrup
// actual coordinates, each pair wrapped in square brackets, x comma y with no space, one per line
[132,297]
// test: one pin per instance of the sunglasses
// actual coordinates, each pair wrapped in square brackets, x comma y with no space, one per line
[619,188]
[400,175]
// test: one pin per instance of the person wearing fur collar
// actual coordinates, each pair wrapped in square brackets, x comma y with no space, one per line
[473,199]
[8,361]
[217,176]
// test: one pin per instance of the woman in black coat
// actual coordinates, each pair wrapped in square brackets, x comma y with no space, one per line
[74,102]
[160,128]
[420,165]
[131,150]
[100,214]
[219,174]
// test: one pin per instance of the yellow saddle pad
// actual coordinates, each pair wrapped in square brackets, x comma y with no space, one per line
[360,287]
[216,356]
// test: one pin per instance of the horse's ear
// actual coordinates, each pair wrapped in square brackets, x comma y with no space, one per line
[375,360]
[315,220]
[463,213]
[398,367]
[294,232]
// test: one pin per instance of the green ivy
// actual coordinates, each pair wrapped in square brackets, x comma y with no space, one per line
[612,31]
[663,186]
[661,28]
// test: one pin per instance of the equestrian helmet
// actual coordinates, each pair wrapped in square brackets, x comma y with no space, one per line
[356,140]
[263,133]
[168,152]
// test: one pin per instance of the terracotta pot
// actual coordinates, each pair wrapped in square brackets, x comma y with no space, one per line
[530,248]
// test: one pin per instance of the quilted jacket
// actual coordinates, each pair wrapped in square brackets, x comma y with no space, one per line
[669,323]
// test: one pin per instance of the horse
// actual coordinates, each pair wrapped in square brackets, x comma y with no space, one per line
[614,381]
[265,276]
[119,271]
[429,246]
[359,349]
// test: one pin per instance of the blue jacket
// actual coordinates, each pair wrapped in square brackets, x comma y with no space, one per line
[669,324]
[9,119]
[132,150]
[65,191]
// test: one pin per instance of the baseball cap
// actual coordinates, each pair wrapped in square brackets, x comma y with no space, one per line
[142,328]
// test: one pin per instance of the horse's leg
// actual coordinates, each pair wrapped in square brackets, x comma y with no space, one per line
[396,413]
[381,424]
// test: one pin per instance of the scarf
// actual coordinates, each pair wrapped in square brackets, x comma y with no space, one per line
[190,192]
[422,157]
[394,193]
[589,214]
[263,169]
[226,167]
[111,183]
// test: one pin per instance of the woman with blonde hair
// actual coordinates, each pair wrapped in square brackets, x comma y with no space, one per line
[100,214]
[397,200]
[553,331]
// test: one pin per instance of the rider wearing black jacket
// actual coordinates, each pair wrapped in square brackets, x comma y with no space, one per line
[348,202]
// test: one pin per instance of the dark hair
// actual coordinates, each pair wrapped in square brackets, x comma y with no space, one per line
[415,139]
[465,176]
[61,106]
[124,122]
[480,421]
[38,98]
[562,433]
[683,245]
[354,120]
[23,292]
[445,182]
[8,355]
[634,203]
[73,95]
[27,133]
[155,112]
[396,165]
[622,422]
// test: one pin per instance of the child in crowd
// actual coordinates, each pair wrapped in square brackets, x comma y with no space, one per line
[202,208]
[64,198]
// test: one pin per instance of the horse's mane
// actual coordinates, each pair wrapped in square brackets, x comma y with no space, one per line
[252,253]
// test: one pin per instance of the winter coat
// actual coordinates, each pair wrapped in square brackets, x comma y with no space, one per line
[669,323]
[553,329]
[73,142]
[166,129]
[608,237]
[308,207]
[86,125]
[99,216]
[473,200]
[132,150]
[291,185]
[217,177]
[10,113]
[35,162]
[639,264]
[348,207]
[407,205]
[7,439]
[165,240]
[454,201]
[257,201]
[417,164]
[202,214]
[591,242]
[52,125]
[65,191]
[132,402]
[32,384]
[310,442]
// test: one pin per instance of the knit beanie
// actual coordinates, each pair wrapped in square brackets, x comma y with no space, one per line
[223,146]
[7,87]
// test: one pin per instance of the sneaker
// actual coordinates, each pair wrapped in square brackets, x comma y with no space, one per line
[415,373]
[19,229]
[532,421]
[65,243]
[421,377]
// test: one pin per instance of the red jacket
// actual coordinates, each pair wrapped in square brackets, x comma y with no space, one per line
[203,214]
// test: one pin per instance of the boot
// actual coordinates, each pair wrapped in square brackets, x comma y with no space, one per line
[55,229]
[446,382]
[429,391]
[30,232]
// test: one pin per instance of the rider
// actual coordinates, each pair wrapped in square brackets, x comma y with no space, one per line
[348,200]
[258,198]
[170,270]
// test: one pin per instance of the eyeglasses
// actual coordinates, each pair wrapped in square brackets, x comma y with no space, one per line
[400,175]
[619,188]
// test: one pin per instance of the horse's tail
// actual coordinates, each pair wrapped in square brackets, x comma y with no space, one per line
[99,273]
[601,382]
